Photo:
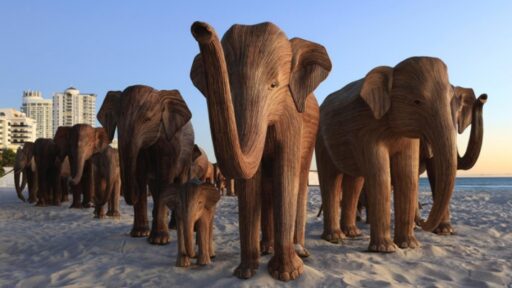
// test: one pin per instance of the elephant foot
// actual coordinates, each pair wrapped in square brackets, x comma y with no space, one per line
[351,231]
[285,269]
[159,238]
[32,200]
[301,251]
[99,215]
[87,205]
[333,236]
[382,245]
[140,231]
[445,229]
[203,260]
[266,247]
[41,204]
[407,242]
[244,271]
[56,203]
[182,261]
[76,206]
[114,214]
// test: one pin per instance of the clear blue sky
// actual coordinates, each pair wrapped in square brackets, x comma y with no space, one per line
[98,46]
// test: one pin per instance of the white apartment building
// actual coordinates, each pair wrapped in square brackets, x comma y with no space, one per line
[70,108]
[39,109]
[15,128]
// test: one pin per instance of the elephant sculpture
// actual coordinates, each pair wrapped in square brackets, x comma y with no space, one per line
[65,138]
[48,165]
[263,116]
[107,182]
[195,202]
[25,166]
[468,111]
[156,140]
[370,134]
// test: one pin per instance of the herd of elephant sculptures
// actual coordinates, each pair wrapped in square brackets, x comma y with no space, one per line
[376,134]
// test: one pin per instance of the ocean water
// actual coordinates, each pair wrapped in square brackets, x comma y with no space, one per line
[487,184]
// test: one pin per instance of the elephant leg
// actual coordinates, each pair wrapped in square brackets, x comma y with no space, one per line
[203,258]
[211,247]
[249,216]
[330,187]
[267,217]
[378,188]
[88,189]
[285,264]
[57,189]
[77,195]
[140,218]
[159,228]
[65,190]
[32,186]
[445,227]
[113,203]
[99,211]
[404,167]
[351,190]
[182,260]
[302,205]
[42,192]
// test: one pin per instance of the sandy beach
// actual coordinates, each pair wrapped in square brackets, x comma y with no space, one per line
[57,246]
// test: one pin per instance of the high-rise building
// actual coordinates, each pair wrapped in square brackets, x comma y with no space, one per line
[70,108]
[39,109]
[15,128]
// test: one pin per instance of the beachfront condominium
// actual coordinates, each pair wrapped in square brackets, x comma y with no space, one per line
[71,107]
[15,128]
[39,109]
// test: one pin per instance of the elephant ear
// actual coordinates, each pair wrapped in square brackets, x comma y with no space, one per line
[310,66]
[197,75]
[196,152]
[101,140]
[175,113]
[212,195]
[462,107]
[376,90]
[109,112]
[61,138]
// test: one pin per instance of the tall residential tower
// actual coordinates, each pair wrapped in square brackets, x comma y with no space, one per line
[70,108]
[39,109]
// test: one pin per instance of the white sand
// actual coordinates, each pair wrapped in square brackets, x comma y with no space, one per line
[57,246]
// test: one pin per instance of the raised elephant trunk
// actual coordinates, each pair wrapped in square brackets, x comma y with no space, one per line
[19,188]
[445,160]
[235,161]
[467,161]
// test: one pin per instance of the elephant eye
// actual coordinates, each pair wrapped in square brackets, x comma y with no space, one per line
[417,102]
[274,84]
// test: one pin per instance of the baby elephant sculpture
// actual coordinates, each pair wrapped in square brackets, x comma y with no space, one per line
[195,204]
[107,182]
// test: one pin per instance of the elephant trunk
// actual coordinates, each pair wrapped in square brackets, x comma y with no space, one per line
[235,160]
[445,162]
[78,164]
[128,154]
[467,161]
[19,188]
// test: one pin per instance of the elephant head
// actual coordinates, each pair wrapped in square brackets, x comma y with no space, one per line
[84,141]
[467,110]
[199,163]
[62,139]
[414,98]
[24,158]
[246,79]
[142,116]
